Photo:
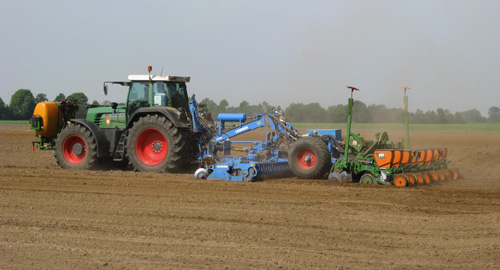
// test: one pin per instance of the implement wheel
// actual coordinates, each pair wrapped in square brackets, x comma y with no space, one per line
[420,178]
[412,179]
[367,178]
[76,148]
[442,175]
[454,174]
[434,176]
[155,145]
[309,158]
[427,178]
[400,180]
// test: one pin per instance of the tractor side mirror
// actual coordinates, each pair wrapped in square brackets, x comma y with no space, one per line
[114,105]
[105,89]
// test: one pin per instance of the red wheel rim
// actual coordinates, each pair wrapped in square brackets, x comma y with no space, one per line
[151,147]
[306,159]
[74,149]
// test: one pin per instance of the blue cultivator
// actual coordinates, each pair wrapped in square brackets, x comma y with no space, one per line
[260,159]
[237,169]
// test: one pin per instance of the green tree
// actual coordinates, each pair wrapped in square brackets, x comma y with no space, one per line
[337,113]
[22,104]
[81,99]
[494,114]
[222,106]
[360,113]
[377,114]
[3,109]
[264,107]
[95,103]
[210,105]
[295,112]
[459,119]
[41,98]
[442,119]
[302,113]
[60,97]
[245,108]
[473,116]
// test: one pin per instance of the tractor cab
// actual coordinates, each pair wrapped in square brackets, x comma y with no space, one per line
[157,91]
[153,91]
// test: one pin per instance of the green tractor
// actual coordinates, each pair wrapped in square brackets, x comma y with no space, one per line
[152,130]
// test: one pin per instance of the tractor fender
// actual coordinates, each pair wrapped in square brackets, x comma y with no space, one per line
[169,113]
[101,140]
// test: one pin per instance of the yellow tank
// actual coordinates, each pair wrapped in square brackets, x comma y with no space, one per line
[48,112]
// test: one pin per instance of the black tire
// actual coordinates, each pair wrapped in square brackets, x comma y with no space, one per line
[309,158]
[76,148]
[155,145]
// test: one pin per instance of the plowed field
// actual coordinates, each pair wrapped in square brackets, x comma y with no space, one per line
[51,218]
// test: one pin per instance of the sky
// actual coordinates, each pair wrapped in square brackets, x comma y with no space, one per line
[281,52]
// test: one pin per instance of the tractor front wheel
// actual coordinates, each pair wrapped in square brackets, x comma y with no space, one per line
[155,145]
[309,158]
[76,148]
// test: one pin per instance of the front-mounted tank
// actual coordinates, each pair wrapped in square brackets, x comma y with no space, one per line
[49,118]
[45,119]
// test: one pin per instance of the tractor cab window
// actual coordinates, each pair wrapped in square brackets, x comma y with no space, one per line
[160,94]
[138,96]
[178,94]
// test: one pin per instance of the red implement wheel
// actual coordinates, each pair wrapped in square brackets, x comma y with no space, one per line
[306,159]
[400,180]
[309,158]
[76,147]
[155,145]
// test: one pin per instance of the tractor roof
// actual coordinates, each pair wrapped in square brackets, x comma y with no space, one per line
[158,78]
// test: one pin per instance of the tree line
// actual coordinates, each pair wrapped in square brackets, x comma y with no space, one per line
[315,113]
[23,103]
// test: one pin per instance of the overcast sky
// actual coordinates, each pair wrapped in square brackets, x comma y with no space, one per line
[281,52]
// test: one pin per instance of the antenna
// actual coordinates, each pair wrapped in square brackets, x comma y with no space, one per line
[161,73]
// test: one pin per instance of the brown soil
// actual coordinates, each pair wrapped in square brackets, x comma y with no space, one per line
[52,218]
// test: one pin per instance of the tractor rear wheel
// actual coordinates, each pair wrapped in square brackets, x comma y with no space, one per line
[309,158]
[76,148]
[155,145]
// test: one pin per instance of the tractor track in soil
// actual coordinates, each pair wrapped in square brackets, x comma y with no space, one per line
[114,218]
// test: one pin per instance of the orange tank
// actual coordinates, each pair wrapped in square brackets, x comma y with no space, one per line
[49,114]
